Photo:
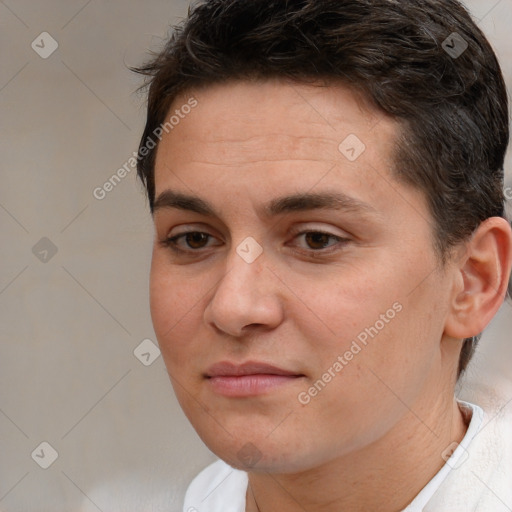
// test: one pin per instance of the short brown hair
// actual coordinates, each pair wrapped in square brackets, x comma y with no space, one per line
[424,62]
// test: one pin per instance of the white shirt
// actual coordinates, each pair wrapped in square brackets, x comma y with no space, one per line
[477,477]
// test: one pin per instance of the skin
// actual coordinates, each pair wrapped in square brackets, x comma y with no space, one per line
[375,434]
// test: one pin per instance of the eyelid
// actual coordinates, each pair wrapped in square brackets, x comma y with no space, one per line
[171,242]
[297,230]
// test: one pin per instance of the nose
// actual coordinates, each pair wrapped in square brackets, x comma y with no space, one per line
[247,297]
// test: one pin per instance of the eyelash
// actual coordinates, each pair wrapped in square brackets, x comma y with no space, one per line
[172,242]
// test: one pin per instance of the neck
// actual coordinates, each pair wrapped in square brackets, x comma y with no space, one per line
[384,476]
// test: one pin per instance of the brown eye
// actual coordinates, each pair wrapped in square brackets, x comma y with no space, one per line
[317,240]
[196,240]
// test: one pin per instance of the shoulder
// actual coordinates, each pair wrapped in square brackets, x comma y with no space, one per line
[481,479]
[217,488]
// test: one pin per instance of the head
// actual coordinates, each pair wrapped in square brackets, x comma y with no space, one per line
[389,109]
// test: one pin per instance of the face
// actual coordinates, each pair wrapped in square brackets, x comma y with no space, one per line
[307,295]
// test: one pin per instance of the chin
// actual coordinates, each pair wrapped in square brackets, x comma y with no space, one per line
[262,454]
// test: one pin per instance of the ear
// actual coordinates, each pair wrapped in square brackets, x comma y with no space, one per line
[482,279]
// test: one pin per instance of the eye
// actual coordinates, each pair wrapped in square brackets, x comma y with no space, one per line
[317,241]
[194,240]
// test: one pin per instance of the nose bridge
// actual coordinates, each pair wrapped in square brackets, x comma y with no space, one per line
[245,269]
[245,263]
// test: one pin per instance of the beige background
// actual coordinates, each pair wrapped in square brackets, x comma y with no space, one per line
[69,325]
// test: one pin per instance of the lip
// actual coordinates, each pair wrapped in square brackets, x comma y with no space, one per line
[228,369]
[251,378]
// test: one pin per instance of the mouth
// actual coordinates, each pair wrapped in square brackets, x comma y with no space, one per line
[248,379]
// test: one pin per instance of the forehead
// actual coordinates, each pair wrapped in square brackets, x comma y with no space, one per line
[273,138]
[235,122]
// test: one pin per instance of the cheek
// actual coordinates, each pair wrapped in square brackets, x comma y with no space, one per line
[174,306]
[373,318]
[339,307]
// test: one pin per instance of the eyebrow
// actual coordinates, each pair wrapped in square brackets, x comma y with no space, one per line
[299,202]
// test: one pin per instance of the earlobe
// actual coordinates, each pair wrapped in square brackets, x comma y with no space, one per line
[482,277]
